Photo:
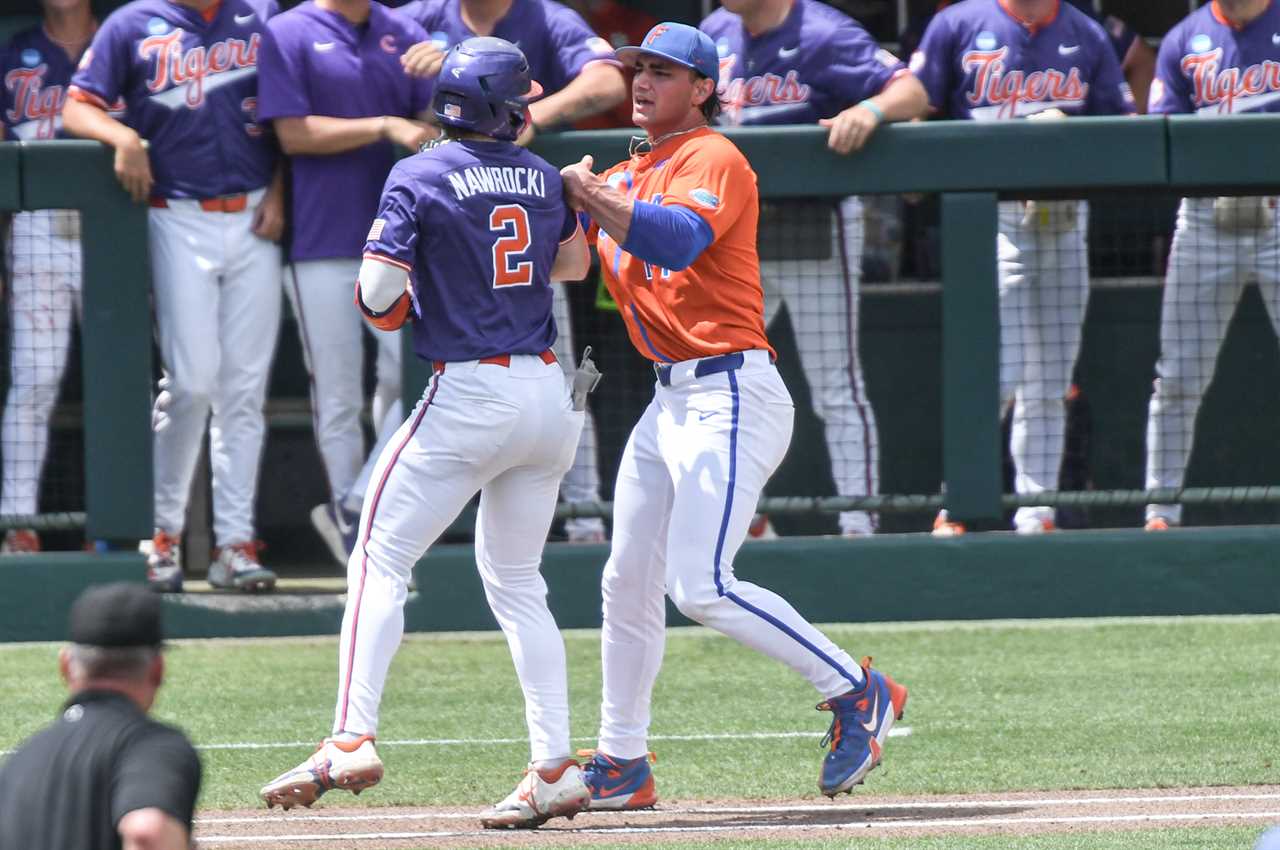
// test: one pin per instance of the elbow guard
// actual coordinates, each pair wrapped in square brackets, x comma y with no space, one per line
[670,237]
[382,294]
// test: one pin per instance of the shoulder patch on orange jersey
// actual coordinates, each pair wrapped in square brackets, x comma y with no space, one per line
[705,198]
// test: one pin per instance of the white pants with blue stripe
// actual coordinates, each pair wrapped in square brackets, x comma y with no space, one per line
[687,488]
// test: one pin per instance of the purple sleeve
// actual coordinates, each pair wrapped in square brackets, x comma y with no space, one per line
[854,67]
[394,234]
[1170,90]
[576,44]
[570,223]
[104,70]
[421,89]
[1110,93]
[932,62]
[282,93]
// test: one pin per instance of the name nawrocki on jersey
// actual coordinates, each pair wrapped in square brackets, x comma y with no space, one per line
[497,179]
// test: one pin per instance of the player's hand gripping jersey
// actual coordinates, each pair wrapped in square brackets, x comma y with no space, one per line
[486,292]
[715,306]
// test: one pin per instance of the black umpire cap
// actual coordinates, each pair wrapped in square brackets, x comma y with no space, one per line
[117,615]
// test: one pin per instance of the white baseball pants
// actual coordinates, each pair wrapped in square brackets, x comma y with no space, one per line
[1043,275]
[217,301]
[1208,270]
[687,487]
[321,293]
[822,298]
[509,433]
[44,298]
[582,481]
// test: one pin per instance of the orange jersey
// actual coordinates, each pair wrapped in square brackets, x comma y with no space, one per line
[716,305]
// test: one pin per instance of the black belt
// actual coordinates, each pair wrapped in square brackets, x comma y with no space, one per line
[706,366]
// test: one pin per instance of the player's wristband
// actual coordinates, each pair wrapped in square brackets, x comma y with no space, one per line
[870,106]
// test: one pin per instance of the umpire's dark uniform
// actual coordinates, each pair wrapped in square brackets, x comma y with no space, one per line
[70,784]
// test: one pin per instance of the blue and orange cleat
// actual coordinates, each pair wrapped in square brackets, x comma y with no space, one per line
[617,785]
[859,729]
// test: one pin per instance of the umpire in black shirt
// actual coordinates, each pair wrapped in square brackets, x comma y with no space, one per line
[104,775]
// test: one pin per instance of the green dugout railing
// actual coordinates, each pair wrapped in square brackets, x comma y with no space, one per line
[971,165]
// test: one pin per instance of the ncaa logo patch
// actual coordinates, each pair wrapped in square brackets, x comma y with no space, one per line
[705,197]
[722,47]
[599,46]
[30,57]
[1201,43]
[986,40]
[440,39]
[157,26]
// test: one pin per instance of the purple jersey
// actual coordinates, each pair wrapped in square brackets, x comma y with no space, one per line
[190,88]
[554,38]
[316,62]
[478,225]
[817,63]
[36,74]
[977,60]
[1209,67]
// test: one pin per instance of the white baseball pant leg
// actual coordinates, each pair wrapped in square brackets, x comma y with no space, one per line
[1208,270]
[210,264]
[44,298]
[384,410]
[582,482]
[822,298]
[1044,288]
[509,433]
[321,293]
[691,474]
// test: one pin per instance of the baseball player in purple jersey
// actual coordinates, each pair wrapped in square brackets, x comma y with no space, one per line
[467,238]
[190,143]
[581,78]
[801,62]
[1223,59]
[332,85]
[997,60]
[42,255]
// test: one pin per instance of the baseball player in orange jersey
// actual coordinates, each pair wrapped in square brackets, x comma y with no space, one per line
[675,227]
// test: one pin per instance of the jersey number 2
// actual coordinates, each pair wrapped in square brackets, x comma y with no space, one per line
[512,222]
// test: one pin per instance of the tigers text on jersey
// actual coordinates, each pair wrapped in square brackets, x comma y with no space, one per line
[316,62]
[978,60]
[716,305]
[554,38]
[1209,66]
[190,89]
[36,72]
[816,63]
[478,224]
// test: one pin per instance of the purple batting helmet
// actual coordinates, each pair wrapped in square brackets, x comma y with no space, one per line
[484,86]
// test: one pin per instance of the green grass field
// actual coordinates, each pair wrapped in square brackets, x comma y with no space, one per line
[995,706]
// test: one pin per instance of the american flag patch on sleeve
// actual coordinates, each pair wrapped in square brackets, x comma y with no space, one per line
[376,230]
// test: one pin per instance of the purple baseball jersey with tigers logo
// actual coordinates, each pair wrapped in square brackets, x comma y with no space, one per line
[1210,67]
[477,224]
[36,72]
[316,62]
[817,63]
[190,88]
[554,38]
[978,60]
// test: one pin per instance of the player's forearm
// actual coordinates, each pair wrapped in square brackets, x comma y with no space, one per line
[92,122]
[599,87]
[1139,70]
[904,99]
[609,208]
[318,135]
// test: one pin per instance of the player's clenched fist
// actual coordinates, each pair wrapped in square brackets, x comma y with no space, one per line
[422,59]
[133,168]
[577,178]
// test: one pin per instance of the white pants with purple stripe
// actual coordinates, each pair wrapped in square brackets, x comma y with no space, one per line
[687,488]
[822,303]
[509,433]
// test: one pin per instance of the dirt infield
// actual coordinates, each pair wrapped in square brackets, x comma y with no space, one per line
[1019,813]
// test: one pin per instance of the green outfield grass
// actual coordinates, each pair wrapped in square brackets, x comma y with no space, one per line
[995,706]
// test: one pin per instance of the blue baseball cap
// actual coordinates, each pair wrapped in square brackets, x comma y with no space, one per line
[680,43]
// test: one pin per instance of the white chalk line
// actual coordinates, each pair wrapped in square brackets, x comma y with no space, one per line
[1010,803]
[895,732]
[798,827]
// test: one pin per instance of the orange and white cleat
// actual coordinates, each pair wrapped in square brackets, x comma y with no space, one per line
[20,541]
[347,765]
[552,792]
[1034,525]
[944,527]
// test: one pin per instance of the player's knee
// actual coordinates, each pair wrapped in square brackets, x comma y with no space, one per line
[694,599]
